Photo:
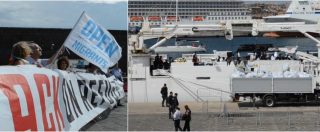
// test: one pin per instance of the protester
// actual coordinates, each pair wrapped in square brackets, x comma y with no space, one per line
[187,118]
[91,68]
[20,52]
[164,93]
[63,63]
[176,119]
[116,71]
[36,54]
[171,106]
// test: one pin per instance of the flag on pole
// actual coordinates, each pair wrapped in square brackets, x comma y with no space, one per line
[93,43]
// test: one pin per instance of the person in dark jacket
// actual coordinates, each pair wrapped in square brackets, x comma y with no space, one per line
[187,118]
[156,61]
[164,93]
[170,102]
[173,103]
[175,100]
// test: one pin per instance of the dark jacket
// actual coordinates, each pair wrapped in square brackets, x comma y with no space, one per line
[187,115]
[170,100]
[164,91]
[175,101]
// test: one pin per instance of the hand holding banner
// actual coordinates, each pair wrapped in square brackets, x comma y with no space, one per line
[94,43]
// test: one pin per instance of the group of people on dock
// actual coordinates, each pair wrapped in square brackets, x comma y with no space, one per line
[172,102]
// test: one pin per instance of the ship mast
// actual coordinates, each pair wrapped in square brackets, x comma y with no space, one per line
[176,11]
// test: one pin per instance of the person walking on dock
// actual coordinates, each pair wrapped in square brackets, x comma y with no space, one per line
[171,106]
[176,119]
[164,93]
[187,117]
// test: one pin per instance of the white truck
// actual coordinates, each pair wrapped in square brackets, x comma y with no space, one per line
[273,90]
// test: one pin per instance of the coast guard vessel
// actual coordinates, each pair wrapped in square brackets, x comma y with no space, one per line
[211,79]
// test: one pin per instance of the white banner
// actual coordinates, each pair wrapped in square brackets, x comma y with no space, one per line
[94,43]
[87,95]
[39,99]
[29,99]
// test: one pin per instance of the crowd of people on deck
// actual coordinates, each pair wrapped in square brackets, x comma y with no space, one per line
[158,63]
[237,58]
[175,114]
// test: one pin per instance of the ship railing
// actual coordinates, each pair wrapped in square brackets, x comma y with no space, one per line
[200,56]
[210,97]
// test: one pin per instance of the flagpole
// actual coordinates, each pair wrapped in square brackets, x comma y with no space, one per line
[62,46]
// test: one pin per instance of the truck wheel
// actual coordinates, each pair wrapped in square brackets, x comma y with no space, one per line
[269,101]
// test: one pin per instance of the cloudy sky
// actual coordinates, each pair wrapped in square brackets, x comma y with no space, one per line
[62,14]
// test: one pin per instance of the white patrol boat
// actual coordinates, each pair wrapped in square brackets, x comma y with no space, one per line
[210,79]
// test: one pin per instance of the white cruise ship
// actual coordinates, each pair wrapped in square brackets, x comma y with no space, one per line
[167,12]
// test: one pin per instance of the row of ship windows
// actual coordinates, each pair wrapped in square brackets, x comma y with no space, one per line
[182,3]
[189,10]
[184,6]
[194,13]
[209,18]
[227,18]
[229,13]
